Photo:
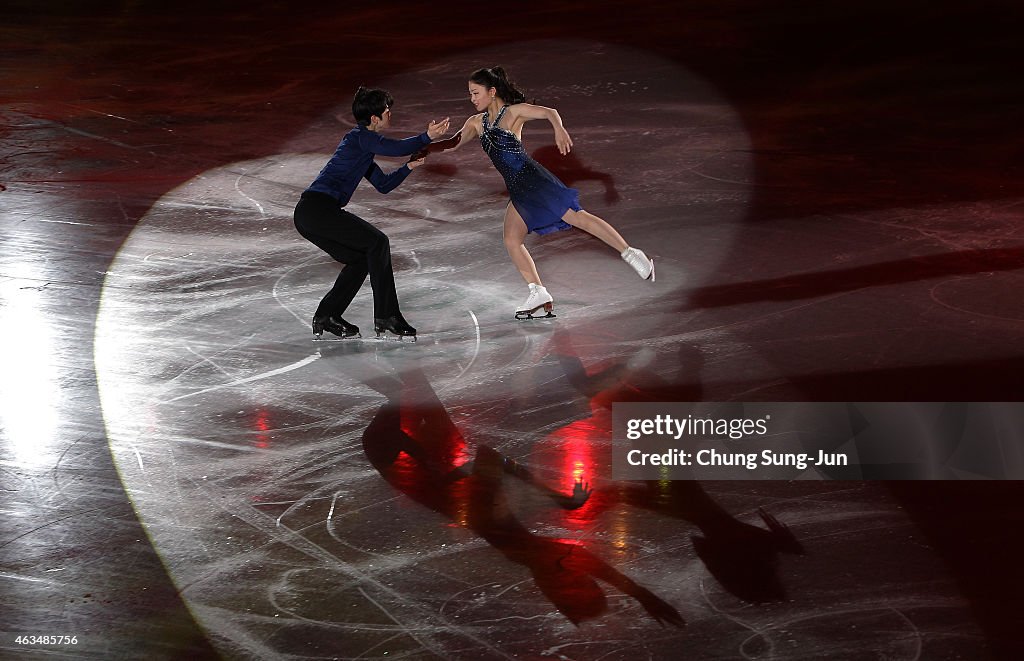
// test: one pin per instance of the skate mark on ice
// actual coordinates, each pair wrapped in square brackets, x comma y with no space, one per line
[912,637]
[202,359]
[480,587]
[476,353]
[274,290]
[404,629]
[238,188]
[169,384]
[256,377]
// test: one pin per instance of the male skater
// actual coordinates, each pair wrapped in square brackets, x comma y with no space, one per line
[321,218]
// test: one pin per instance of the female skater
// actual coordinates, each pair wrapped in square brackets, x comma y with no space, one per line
[539,202]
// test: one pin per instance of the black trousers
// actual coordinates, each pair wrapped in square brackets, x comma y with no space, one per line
[356,243]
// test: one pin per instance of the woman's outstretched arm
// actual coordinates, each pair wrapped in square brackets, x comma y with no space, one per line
[469,130]
[528,111]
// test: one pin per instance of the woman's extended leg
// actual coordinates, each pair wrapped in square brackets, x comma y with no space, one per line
[597,226]
[588,222]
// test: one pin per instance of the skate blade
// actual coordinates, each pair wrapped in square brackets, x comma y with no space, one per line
[651,276]
[527,316]
[336,338]
[524,315]
[388,336]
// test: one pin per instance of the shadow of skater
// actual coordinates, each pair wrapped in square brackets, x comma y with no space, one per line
[564,571]
[570,169]
[441,474]
[743,558]
[801,286]
[441,169]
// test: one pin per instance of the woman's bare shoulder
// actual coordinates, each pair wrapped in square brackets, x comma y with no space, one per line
[527,111]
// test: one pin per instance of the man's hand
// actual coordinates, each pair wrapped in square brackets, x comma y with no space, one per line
[436,129]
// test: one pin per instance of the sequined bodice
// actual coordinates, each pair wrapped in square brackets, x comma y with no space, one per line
[537,195]
[504,148]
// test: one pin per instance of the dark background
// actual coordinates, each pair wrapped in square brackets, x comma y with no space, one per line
[849,106]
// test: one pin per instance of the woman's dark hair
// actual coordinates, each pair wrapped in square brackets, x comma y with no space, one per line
[497,78]
[368,102]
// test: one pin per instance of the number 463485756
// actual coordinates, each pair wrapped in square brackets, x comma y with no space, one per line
[46,640]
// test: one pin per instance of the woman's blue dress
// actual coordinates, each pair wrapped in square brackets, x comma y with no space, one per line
[539,197]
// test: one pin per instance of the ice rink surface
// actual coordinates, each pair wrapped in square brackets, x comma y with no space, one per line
[187,474]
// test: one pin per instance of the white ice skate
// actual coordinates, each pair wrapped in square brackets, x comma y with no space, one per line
[643,265]
[538,298]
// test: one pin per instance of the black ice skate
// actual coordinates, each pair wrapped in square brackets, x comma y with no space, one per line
[334,325]
[538,299]
[396,325]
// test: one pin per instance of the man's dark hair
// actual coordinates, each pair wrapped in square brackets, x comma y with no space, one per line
[369,102]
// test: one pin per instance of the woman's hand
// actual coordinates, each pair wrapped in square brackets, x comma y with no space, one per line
[436,129]
[562,140]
